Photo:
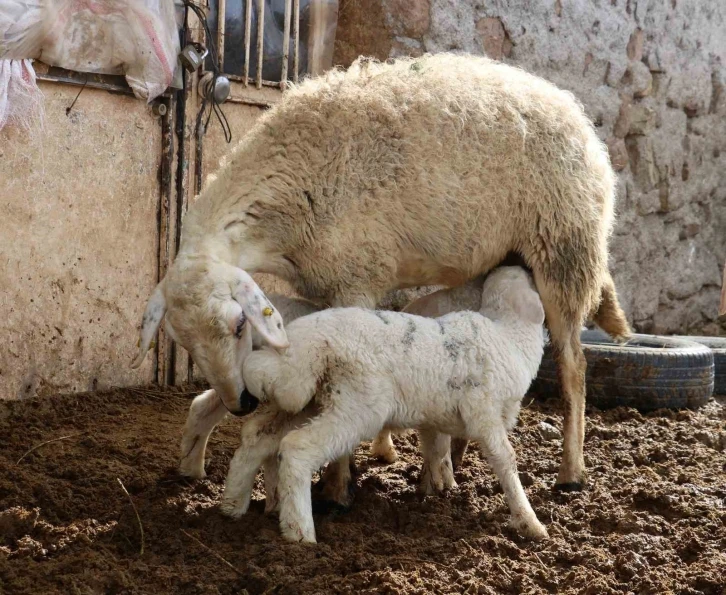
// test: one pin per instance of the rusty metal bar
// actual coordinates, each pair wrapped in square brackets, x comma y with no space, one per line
[164,372]
[260,39]
[285,46]
[248,34]
[221,22]
[296,33]
[111,87]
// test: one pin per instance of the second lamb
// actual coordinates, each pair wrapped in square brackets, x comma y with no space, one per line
[350,372]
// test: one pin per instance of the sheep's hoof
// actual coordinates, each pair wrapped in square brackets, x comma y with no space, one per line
[335,491]
[458,450]
[571,481]
[325,501]
[571,486]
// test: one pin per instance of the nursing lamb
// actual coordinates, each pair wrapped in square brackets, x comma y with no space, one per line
[463,374]
[426,171]
[207,410]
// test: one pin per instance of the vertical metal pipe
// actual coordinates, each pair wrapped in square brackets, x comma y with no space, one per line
[285,46]
[248,33]
[296,34]
[221,14]
[260,39]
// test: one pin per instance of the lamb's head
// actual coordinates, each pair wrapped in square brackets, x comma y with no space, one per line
[209,307]
[509,293]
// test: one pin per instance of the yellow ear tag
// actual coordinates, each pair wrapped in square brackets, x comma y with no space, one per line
[267,311]
[152,344]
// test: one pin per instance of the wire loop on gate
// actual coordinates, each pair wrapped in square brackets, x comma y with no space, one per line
[209,95]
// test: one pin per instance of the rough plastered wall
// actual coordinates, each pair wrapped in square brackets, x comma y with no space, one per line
[651,75]
[78,243]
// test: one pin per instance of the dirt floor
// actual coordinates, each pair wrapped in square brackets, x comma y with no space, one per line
[653,520]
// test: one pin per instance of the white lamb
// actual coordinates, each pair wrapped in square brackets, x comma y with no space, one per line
[463,374]
[207,410]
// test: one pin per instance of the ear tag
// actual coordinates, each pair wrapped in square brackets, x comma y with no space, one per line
[152,344]
[267,312]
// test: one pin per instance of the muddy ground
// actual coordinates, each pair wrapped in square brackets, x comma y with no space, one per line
[653,520]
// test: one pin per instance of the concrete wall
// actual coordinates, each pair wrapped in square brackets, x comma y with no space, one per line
[651,76]
[78,256]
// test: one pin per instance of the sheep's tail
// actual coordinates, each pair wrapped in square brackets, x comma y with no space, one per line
[609,316]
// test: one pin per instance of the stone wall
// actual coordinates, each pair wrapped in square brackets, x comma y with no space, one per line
[651,76]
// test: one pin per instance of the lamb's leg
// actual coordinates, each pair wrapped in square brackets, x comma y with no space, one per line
[499,452]
[336,488]
[383,449]
[458,450]
[205,412]
[261,436]
[304,450]
[437,473]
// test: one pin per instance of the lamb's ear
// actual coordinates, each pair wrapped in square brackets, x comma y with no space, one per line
[155,310]
[258,310]
[527,305]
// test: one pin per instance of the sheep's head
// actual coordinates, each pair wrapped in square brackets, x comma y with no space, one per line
[209,307]
[509,292]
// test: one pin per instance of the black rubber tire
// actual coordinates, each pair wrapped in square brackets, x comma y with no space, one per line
[718,346]
[647,373]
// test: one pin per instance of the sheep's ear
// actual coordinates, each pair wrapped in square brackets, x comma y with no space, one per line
[258,310]
[155,310]
[528,306]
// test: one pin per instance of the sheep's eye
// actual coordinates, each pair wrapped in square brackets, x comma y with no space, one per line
[240,326]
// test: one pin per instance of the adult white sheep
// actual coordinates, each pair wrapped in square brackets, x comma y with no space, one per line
[424,171]
[463,374]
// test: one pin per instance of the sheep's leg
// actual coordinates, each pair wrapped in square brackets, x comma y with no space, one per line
[261,436]
[301,452]
[565,338]
[499,452]
[383,449]
[205,412]
[458,450]
[437,473]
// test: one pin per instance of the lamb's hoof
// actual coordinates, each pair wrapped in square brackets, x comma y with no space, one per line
[572,486]
[192,471]
[531,529]
[233,509]
[272,506]
[384,451]
[294,533]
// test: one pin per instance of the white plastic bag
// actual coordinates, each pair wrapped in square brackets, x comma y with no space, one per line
[136,38]
[21,102]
